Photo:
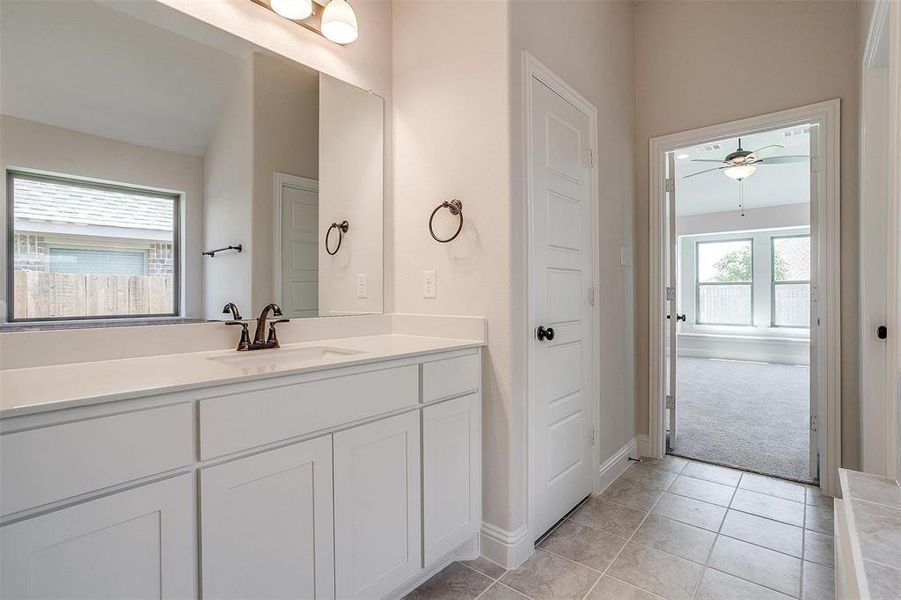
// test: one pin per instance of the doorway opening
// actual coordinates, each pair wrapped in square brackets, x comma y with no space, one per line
[742,257]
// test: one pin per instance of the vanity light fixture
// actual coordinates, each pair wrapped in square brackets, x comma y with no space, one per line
[292,9]
[339,23]
[333,19]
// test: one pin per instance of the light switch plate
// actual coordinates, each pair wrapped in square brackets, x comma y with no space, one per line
[362,287]
[429,284]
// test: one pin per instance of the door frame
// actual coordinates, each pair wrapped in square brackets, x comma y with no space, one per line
[278,181]
[827,292]
[879,282]
[535,69]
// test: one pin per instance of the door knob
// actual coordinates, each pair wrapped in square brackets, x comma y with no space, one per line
[678,317]
[544,333]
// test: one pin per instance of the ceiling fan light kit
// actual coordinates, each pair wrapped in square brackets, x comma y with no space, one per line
[739,172]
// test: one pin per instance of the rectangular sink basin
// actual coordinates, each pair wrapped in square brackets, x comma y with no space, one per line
[276,357]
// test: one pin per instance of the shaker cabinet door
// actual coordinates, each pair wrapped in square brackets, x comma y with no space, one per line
[266,524]
[452,474]
[378,544]
[133,544]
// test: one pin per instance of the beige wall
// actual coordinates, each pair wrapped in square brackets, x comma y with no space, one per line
[451,140]
[703,63]
[458,134]
[594,56]
[30,145]
[285,140]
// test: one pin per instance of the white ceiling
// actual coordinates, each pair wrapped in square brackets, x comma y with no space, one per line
[80,65]
[771,185]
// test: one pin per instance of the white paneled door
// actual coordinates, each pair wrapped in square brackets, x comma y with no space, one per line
[297,223]
[560,311]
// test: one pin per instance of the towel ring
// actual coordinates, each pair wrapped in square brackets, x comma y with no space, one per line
[455,207]
[342,229]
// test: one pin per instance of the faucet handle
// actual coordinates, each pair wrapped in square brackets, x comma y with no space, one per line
[244,343]
[272,338]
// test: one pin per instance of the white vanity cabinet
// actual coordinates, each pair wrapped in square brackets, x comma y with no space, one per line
[137,543]
[343,483]
[266,524]
[451,474]
[377,506]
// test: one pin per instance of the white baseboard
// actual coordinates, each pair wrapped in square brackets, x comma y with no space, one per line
[644,445]
[509,549]
[614,466]
[469,550]
[782,350]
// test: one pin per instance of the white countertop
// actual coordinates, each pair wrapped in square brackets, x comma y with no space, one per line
[39,389]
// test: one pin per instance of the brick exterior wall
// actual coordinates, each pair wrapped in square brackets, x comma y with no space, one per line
[30,252]
[160,260]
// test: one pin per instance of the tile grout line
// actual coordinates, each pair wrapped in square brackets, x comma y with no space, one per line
[716,539]
[803,548]
[632,535]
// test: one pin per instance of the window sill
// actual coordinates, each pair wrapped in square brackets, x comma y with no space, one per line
[94,323]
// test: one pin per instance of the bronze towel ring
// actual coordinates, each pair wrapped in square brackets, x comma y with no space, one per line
[342,229]
[455,207]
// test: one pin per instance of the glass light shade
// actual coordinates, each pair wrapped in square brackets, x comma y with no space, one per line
[339,23]
[740,172]
[292,9]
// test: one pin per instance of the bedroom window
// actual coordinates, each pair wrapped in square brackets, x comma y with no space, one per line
[725,282]
[90,250]
[791,281]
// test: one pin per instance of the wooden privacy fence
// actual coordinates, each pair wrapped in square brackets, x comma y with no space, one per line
[42,294]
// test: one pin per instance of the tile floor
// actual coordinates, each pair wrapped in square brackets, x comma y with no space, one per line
[672,529]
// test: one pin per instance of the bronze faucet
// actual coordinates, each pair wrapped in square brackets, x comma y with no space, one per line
[258,343]
[276,311]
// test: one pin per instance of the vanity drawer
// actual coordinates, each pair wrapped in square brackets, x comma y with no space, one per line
[54,463]
[450,377]
[236,422]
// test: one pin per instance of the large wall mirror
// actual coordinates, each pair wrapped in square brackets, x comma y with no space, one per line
[134,138]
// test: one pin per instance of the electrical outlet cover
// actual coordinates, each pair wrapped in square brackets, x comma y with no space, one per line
[429,284]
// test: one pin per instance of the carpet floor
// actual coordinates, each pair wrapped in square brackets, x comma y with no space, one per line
[750,416]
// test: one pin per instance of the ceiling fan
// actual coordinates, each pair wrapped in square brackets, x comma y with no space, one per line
[742,163]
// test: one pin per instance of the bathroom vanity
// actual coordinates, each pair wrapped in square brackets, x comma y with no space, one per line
[329,469]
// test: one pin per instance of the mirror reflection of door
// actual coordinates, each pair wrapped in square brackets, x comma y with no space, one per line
[299,261]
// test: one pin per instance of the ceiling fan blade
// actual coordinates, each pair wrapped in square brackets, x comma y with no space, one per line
[762,153]
[706,171]
[706,160]
[781,160]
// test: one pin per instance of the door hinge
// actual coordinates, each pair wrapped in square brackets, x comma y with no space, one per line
[814,293]
[593,296]
[670,402]
[670,293]
[594,436]
[814,164]
[813,422]
[591,157]
[670,185]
